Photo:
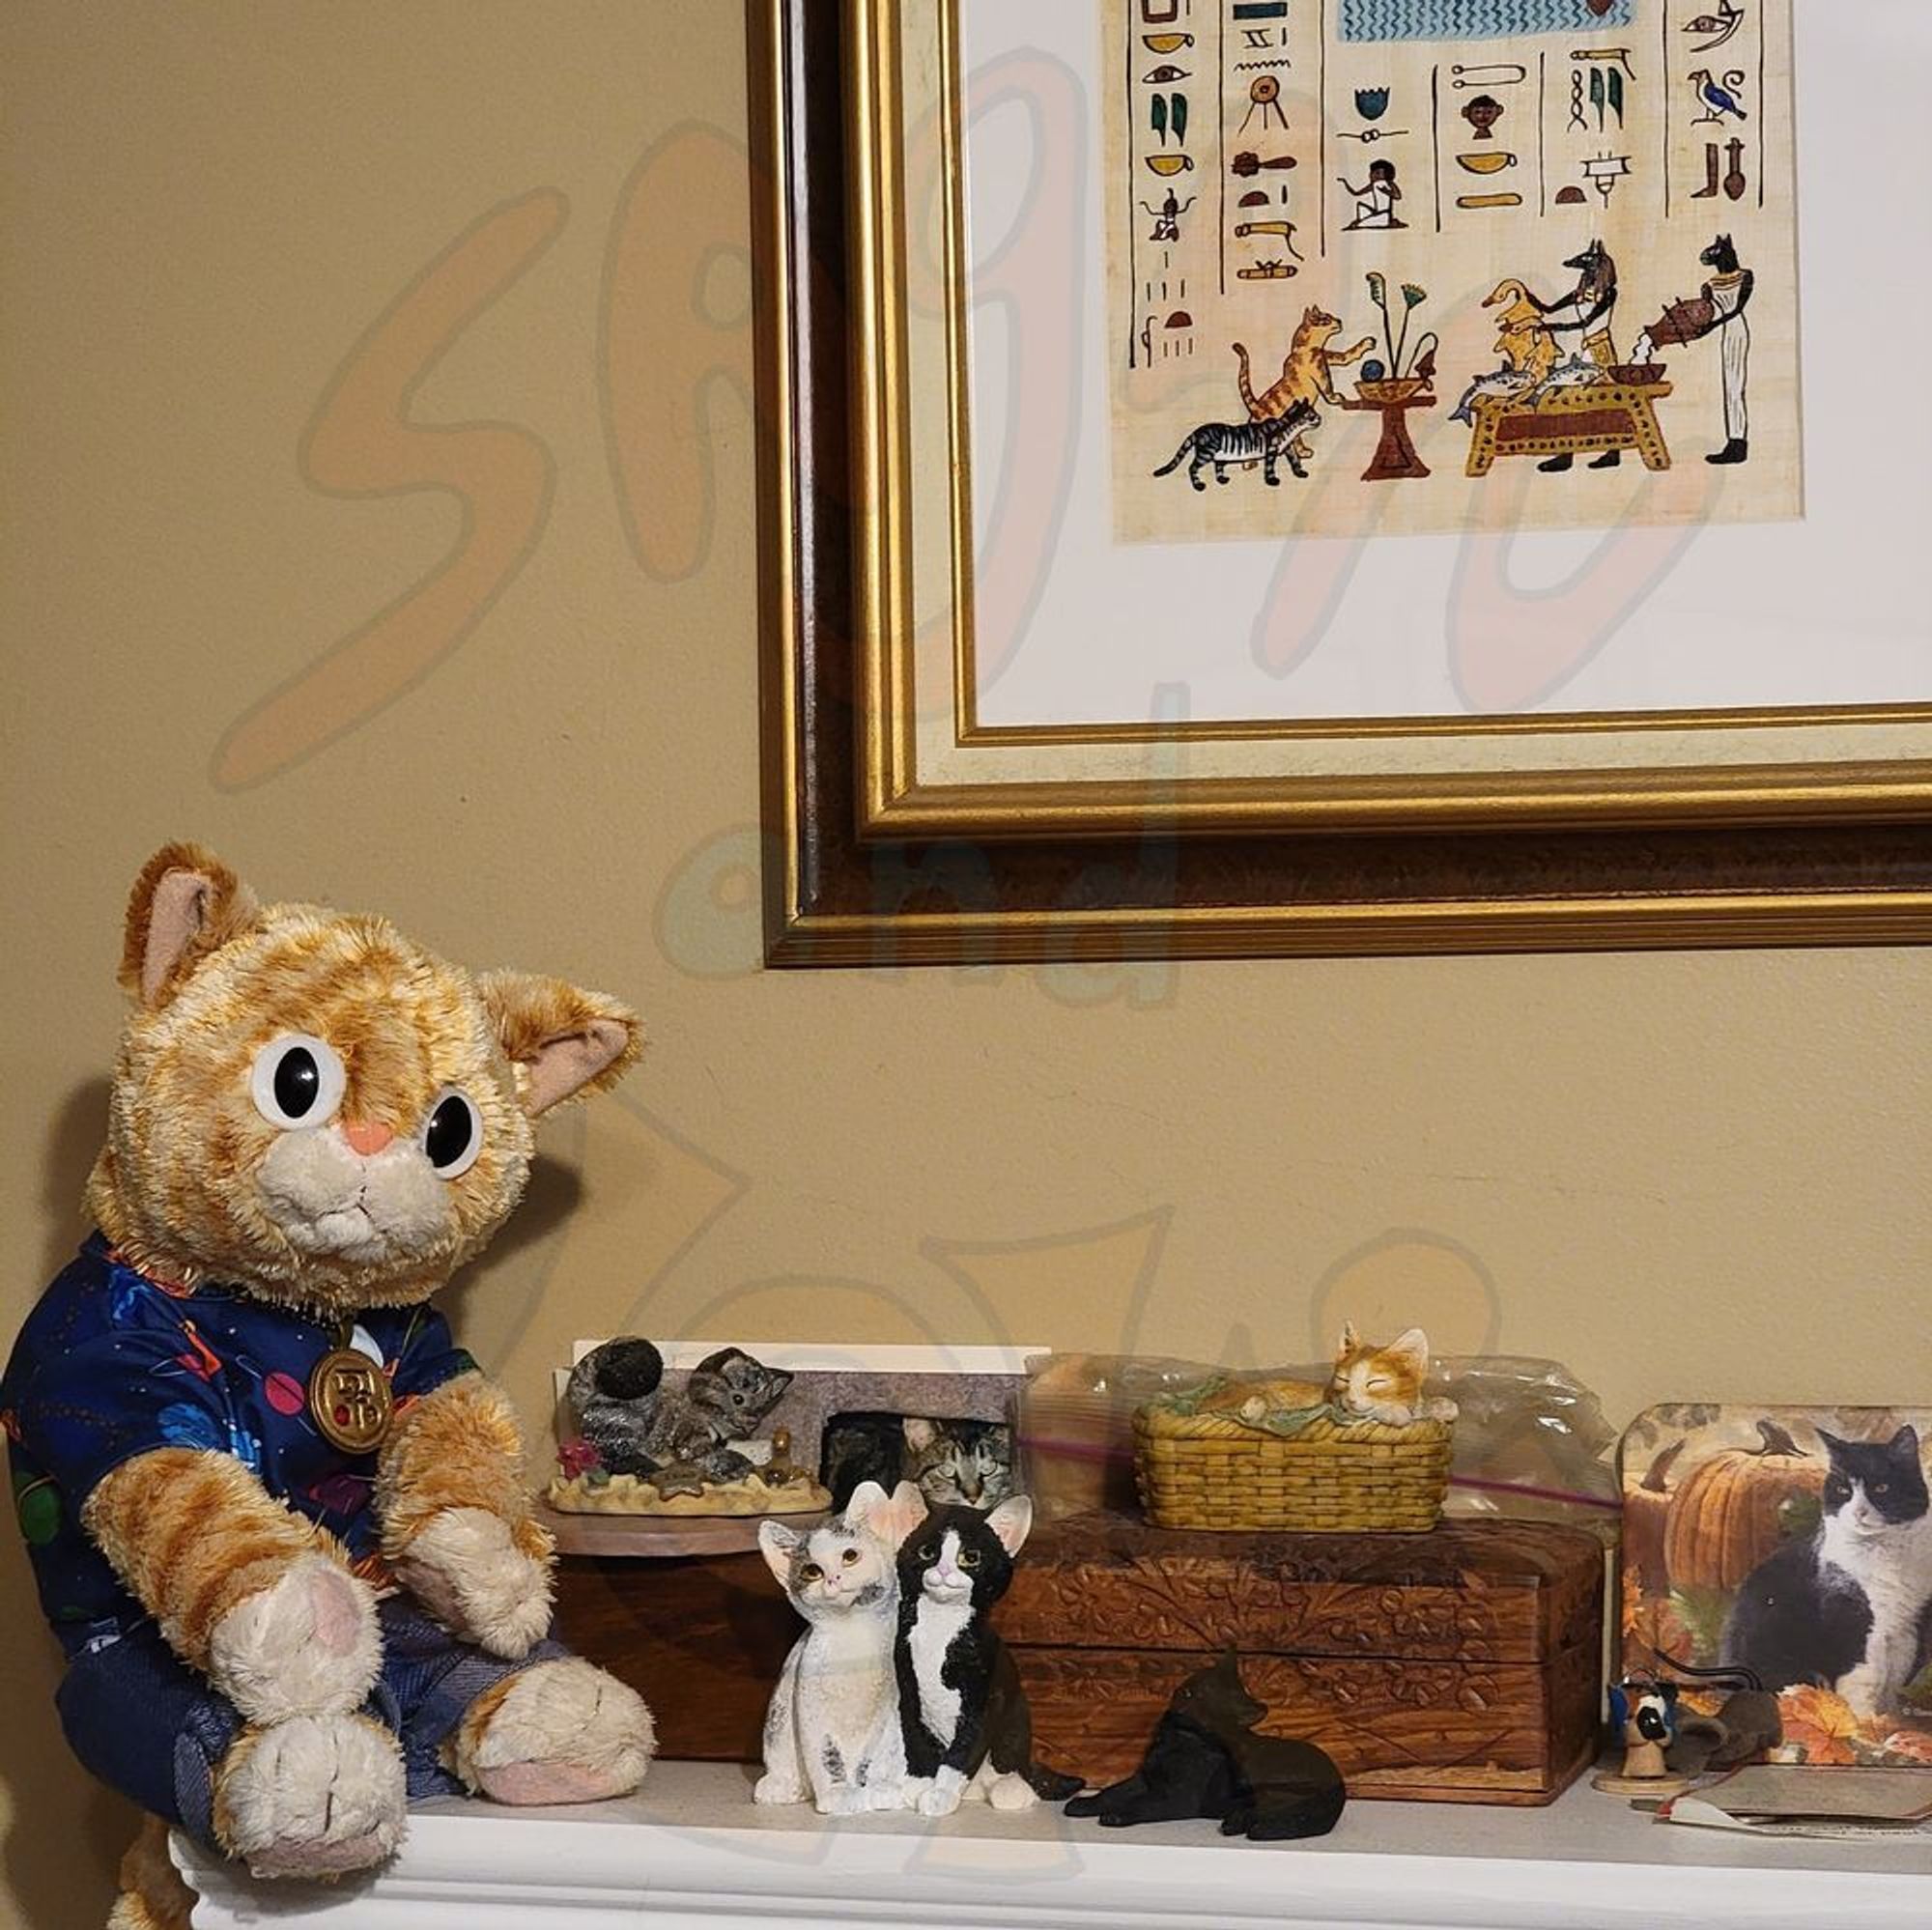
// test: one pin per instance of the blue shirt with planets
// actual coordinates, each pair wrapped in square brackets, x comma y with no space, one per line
[112,1363]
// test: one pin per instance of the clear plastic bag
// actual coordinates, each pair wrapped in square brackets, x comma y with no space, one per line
[1530,1440]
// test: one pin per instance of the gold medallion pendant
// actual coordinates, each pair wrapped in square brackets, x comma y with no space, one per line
[350,1401]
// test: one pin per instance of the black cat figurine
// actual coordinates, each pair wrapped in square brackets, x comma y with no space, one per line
[961,1707]
[1207,1760]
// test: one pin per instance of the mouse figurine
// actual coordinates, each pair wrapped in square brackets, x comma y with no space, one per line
[1205,1759]
[277,1518]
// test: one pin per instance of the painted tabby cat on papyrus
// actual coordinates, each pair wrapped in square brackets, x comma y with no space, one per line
[1221,443]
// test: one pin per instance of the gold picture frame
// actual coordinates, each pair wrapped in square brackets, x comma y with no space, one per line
[867,863]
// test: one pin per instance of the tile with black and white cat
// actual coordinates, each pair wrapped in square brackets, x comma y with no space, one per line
[1849,1607]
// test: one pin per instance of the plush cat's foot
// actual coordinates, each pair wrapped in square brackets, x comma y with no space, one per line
[777,1790]
[316,1796]
[846,1800]
[559,1731]
[483,1579]
[307,1645]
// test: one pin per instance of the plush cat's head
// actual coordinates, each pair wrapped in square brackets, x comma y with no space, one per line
[1369,1377]
[847,1563]
[312,1108]
[969,1462]
[1875,1485]
[736,1391]
[958,1555]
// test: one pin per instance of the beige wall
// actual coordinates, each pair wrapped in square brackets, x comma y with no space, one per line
[1684,1175]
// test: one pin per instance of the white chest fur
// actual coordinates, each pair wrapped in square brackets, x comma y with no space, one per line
[934,1626]
[1893,1570]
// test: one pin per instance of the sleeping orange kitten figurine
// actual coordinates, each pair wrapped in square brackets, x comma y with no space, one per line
[276,1518]
[1384,1383]
[1378,1383]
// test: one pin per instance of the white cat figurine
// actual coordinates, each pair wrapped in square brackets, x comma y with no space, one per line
[831,1733]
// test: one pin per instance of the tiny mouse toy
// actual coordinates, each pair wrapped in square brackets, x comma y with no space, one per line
[277,1517]
[1205,1759]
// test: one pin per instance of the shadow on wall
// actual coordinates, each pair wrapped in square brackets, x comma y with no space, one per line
[51,1798]
[73,1140]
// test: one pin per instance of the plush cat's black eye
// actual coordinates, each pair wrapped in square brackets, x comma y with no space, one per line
[296,1080]
[850,1556]
[969,1558]
[812,1571]
[927,1553]
[454,1135]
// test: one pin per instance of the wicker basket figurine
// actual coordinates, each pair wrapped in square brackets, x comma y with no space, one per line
[1367,1453]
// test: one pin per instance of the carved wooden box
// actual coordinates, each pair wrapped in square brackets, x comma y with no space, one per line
[1461,1666]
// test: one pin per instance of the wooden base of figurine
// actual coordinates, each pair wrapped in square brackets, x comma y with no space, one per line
[629,1495]
[1641,1788]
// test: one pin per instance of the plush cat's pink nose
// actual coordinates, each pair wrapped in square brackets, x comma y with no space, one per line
[367,1136]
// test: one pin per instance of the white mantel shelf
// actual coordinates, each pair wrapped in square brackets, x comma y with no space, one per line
[691,1849]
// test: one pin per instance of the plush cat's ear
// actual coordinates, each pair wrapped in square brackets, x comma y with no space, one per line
[185,904]
[1904,1445]
[1351,1341]
[563,1041]
[918,1432]
[1012,1522]
[776,1543]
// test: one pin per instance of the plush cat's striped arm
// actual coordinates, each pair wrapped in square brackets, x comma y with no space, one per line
[457,1520]
[243,1589]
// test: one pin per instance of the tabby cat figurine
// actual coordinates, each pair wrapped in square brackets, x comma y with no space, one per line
[276,1518]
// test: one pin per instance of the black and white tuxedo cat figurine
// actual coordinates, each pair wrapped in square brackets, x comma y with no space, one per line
[1849,1607]
[831,1733]
[963,1713]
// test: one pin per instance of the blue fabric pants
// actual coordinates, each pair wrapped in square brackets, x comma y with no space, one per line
[143,1722]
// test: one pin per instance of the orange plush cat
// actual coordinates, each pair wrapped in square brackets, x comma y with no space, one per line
[277,1518]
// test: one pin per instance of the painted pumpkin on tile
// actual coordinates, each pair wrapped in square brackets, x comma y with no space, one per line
[1731,1511]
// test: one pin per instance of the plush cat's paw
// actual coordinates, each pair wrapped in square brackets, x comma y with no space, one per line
[887,1794]
[775,1790]
[558,1731]
[316,1796]
[472,1571]
[846,1800]
[306,1645]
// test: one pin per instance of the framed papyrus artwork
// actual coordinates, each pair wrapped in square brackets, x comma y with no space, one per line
[1343,474]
